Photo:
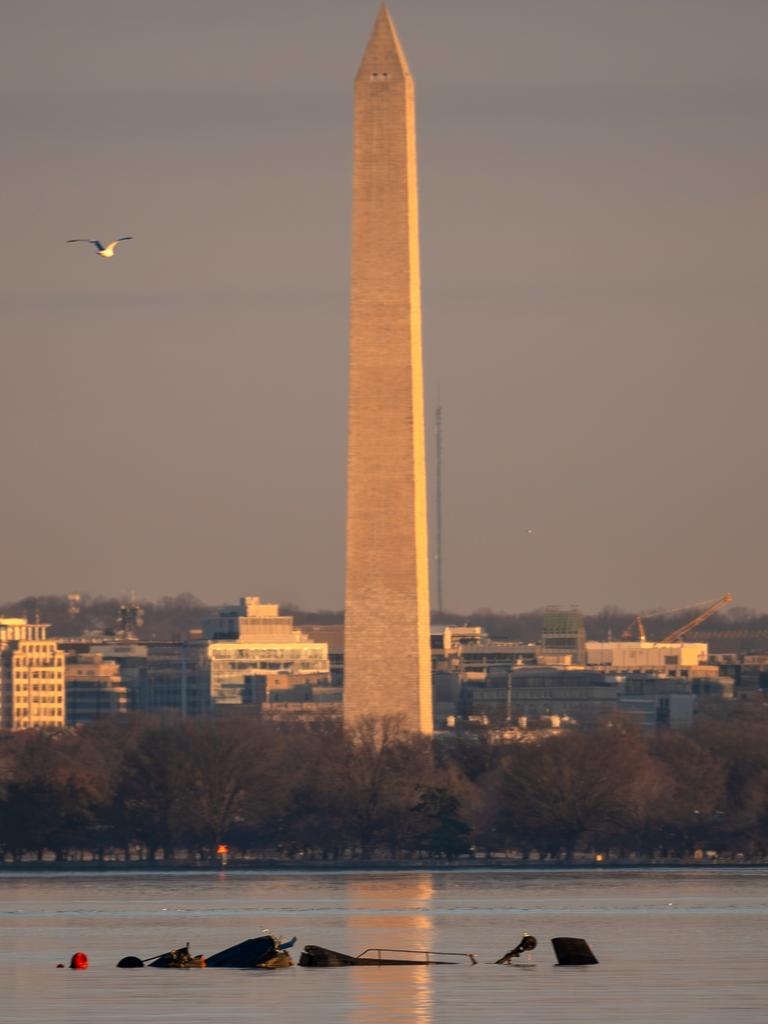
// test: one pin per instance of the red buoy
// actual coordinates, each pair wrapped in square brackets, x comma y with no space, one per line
[79,962]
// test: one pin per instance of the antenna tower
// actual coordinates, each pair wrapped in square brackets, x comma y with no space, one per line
[439,515]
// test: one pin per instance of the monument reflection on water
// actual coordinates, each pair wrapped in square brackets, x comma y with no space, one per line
[392,912]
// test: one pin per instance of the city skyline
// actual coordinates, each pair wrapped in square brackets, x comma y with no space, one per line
[592,293]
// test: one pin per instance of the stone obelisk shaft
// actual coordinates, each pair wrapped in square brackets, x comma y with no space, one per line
[386,650]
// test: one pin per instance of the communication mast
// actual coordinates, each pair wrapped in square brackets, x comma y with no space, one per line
[439,509]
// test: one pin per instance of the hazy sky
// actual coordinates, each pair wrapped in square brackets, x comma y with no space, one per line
[593,187]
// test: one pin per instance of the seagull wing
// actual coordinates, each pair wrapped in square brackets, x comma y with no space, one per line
[92,241]
[111,247]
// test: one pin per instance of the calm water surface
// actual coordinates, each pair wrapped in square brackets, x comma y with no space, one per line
[675,946]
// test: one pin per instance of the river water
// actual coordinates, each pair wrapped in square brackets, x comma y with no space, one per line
[676,947]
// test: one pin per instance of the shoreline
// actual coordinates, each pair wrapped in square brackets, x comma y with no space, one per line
[320,867]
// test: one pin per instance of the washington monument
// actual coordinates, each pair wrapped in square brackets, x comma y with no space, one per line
[386,648]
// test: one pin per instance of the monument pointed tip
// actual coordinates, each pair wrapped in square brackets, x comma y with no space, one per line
[384,53]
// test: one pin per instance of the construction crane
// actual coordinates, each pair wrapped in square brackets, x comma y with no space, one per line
[635,624]
[679,633]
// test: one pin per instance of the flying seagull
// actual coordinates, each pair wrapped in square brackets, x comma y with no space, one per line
[107,251]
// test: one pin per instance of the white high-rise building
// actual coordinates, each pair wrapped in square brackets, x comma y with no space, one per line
[32,686]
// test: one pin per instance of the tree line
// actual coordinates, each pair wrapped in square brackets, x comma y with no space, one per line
[172,617]
[142,788]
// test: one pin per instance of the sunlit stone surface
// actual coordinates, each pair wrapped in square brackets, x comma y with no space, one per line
[387,658]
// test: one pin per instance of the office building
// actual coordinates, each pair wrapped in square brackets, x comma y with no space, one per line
[32,689]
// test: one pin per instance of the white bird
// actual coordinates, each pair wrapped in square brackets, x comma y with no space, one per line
[107,251]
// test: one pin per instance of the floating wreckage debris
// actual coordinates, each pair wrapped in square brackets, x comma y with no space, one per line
[319,956]
[130,961]
[179,958]
[266,952]
[573,952]
[526,945]
[570,952]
